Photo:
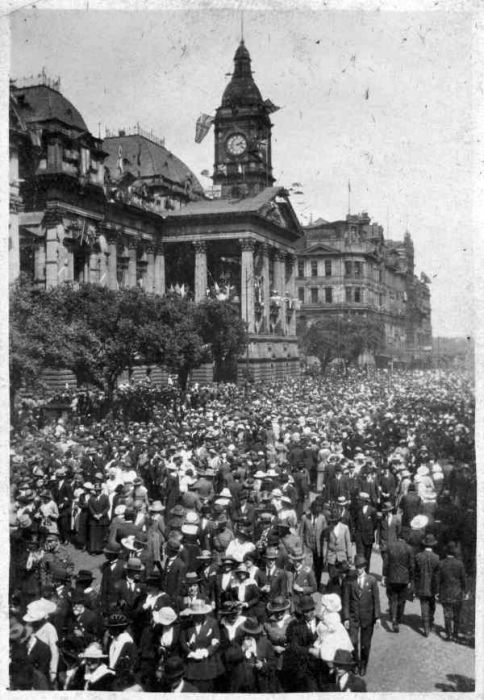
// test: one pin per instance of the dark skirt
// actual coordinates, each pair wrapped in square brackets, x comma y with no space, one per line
[98,534]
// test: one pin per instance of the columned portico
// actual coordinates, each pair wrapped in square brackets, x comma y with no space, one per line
[159,272]
[279,285]
[266,286]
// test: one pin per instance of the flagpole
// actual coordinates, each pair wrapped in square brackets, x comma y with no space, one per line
[349,198]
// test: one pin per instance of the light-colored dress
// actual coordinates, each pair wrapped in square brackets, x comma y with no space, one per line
[332,635]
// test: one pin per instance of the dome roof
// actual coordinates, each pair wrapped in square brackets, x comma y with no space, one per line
[41,103]
[241,89]
[144,158]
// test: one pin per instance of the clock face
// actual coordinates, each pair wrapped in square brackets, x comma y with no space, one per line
[236,144]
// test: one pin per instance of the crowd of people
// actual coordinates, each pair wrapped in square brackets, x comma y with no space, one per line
[239,528]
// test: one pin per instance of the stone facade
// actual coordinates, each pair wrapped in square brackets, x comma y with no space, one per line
[347,268]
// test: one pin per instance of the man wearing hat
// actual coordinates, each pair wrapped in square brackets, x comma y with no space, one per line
[427,574]
[260,658]
[174,569]
[300,669]
[83,584]
[365,526]
[346,681]
[175,682]
[55,556]
[300,578]
[361,611]
[112,571]
[389,528]
[273,579]
[452,591]
[130,591]
[313,529]
[399,574]
[98,507]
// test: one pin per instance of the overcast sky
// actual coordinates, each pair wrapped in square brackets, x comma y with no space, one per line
[383,99]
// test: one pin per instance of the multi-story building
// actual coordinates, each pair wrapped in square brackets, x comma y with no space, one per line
[347,268]
[125,211]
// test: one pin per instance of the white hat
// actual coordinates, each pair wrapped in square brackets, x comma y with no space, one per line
[88,486]
[39,610]
[120,509]
[419,522]
[423,471]
[129,543]
[276,493]
[331,601]
[93,651]
[192,518]
[364,496]
[225,493]
[164,616]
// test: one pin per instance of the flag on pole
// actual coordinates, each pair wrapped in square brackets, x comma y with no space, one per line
[349,186]
[204,122]
[205,173]
[424,278]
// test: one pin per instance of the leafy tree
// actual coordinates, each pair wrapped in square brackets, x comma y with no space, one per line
[221,327]
[344,337]
[37,338]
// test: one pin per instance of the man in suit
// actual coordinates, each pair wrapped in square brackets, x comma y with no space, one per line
[365,525]
[361,611]
[452,591]
[174,569]
[346,682]
[130,592]
[174,671]
[427,573]
[112,571]
[260,658]
[389,528]
[300,668]
[273,578]
[300,578]
[399,577]
[313,527]
[63,496]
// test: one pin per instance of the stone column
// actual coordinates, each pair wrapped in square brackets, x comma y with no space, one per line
[150,269]
[200,270]
[93,266]
[66,260]
[54,233]
[132,254]
[280,285]
[266,285]
[112,260]
[247,283]
[39,261]
[159,271]
[103,268]
[291,289]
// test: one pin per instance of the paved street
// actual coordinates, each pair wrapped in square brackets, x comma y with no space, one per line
[403,662]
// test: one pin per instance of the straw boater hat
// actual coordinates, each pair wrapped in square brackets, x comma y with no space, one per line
[198,607]
[93,651]
[156,507]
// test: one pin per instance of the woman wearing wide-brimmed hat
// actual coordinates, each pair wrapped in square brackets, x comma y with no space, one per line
[200,644]
[160,640]
[92,672]
[122,651]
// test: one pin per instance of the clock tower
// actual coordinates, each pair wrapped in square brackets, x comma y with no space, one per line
[243,161]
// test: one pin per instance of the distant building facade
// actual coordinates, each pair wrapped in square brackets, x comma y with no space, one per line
[346,268]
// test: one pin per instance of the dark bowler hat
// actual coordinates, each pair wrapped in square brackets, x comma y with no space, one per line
[343,658]
[360,561]
[84,575]
[117,619]
[174,668]
[429,540]
[278,604]
[306,603]
[251,626]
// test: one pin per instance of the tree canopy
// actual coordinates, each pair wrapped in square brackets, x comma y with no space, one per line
[99,333]
[345,337]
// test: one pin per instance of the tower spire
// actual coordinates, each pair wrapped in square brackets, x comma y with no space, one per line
[241,25]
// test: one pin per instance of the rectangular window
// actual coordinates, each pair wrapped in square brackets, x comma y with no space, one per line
[314,295]
[328,295]
[314,268]
[357,294]
[357,268]
[380,300]
[348,268]
[380,275]
[300,268]
[327,268]
[300,293]
[348,295]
